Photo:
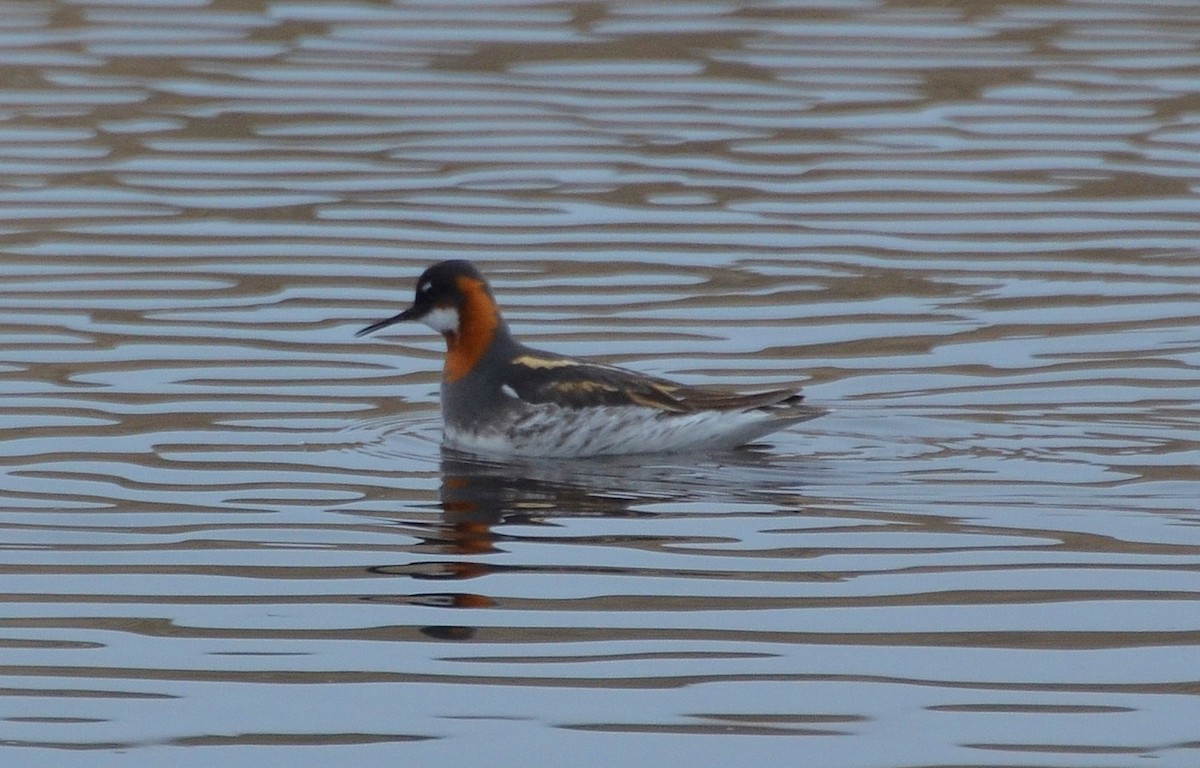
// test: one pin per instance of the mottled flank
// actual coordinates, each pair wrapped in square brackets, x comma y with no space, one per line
[552,430]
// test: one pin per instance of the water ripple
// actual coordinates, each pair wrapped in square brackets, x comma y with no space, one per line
[229,528]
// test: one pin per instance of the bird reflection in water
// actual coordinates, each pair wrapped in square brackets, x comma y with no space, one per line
[478,496]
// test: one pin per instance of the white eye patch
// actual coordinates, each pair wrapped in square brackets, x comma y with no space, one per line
[442,319]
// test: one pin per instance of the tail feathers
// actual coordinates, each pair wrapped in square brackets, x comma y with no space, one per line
[792,409]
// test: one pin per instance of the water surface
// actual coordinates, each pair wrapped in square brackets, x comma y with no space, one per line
[230,536]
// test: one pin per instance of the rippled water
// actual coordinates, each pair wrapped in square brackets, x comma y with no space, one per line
[230,537]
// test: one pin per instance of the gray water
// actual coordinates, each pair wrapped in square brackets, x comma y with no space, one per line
[229,536]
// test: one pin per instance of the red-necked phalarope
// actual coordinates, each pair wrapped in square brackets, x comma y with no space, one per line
[500,397]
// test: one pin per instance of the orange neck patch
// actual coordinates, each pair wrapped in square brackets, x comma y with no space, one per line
[478,319]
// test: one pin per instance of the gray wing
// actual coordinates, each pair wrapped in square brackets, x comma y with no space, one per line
[541,378]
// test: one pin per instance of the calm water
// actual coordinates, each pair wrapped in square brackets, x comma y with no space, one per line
[229,536]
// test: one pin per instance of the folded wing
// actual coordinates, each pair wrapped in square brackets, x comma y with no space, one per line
[573,383]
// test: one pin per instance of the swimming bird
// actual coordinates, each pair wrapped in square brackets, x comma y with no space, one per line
[503,398]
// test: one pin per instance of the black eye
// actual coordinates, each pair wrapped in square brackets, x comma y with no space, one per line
[424,287]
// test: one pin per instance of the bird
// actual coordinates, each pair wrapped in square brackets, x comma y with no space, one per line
[502,398]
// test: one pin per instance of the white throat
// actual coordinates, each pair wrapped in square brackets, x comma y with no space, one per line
[442,319]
